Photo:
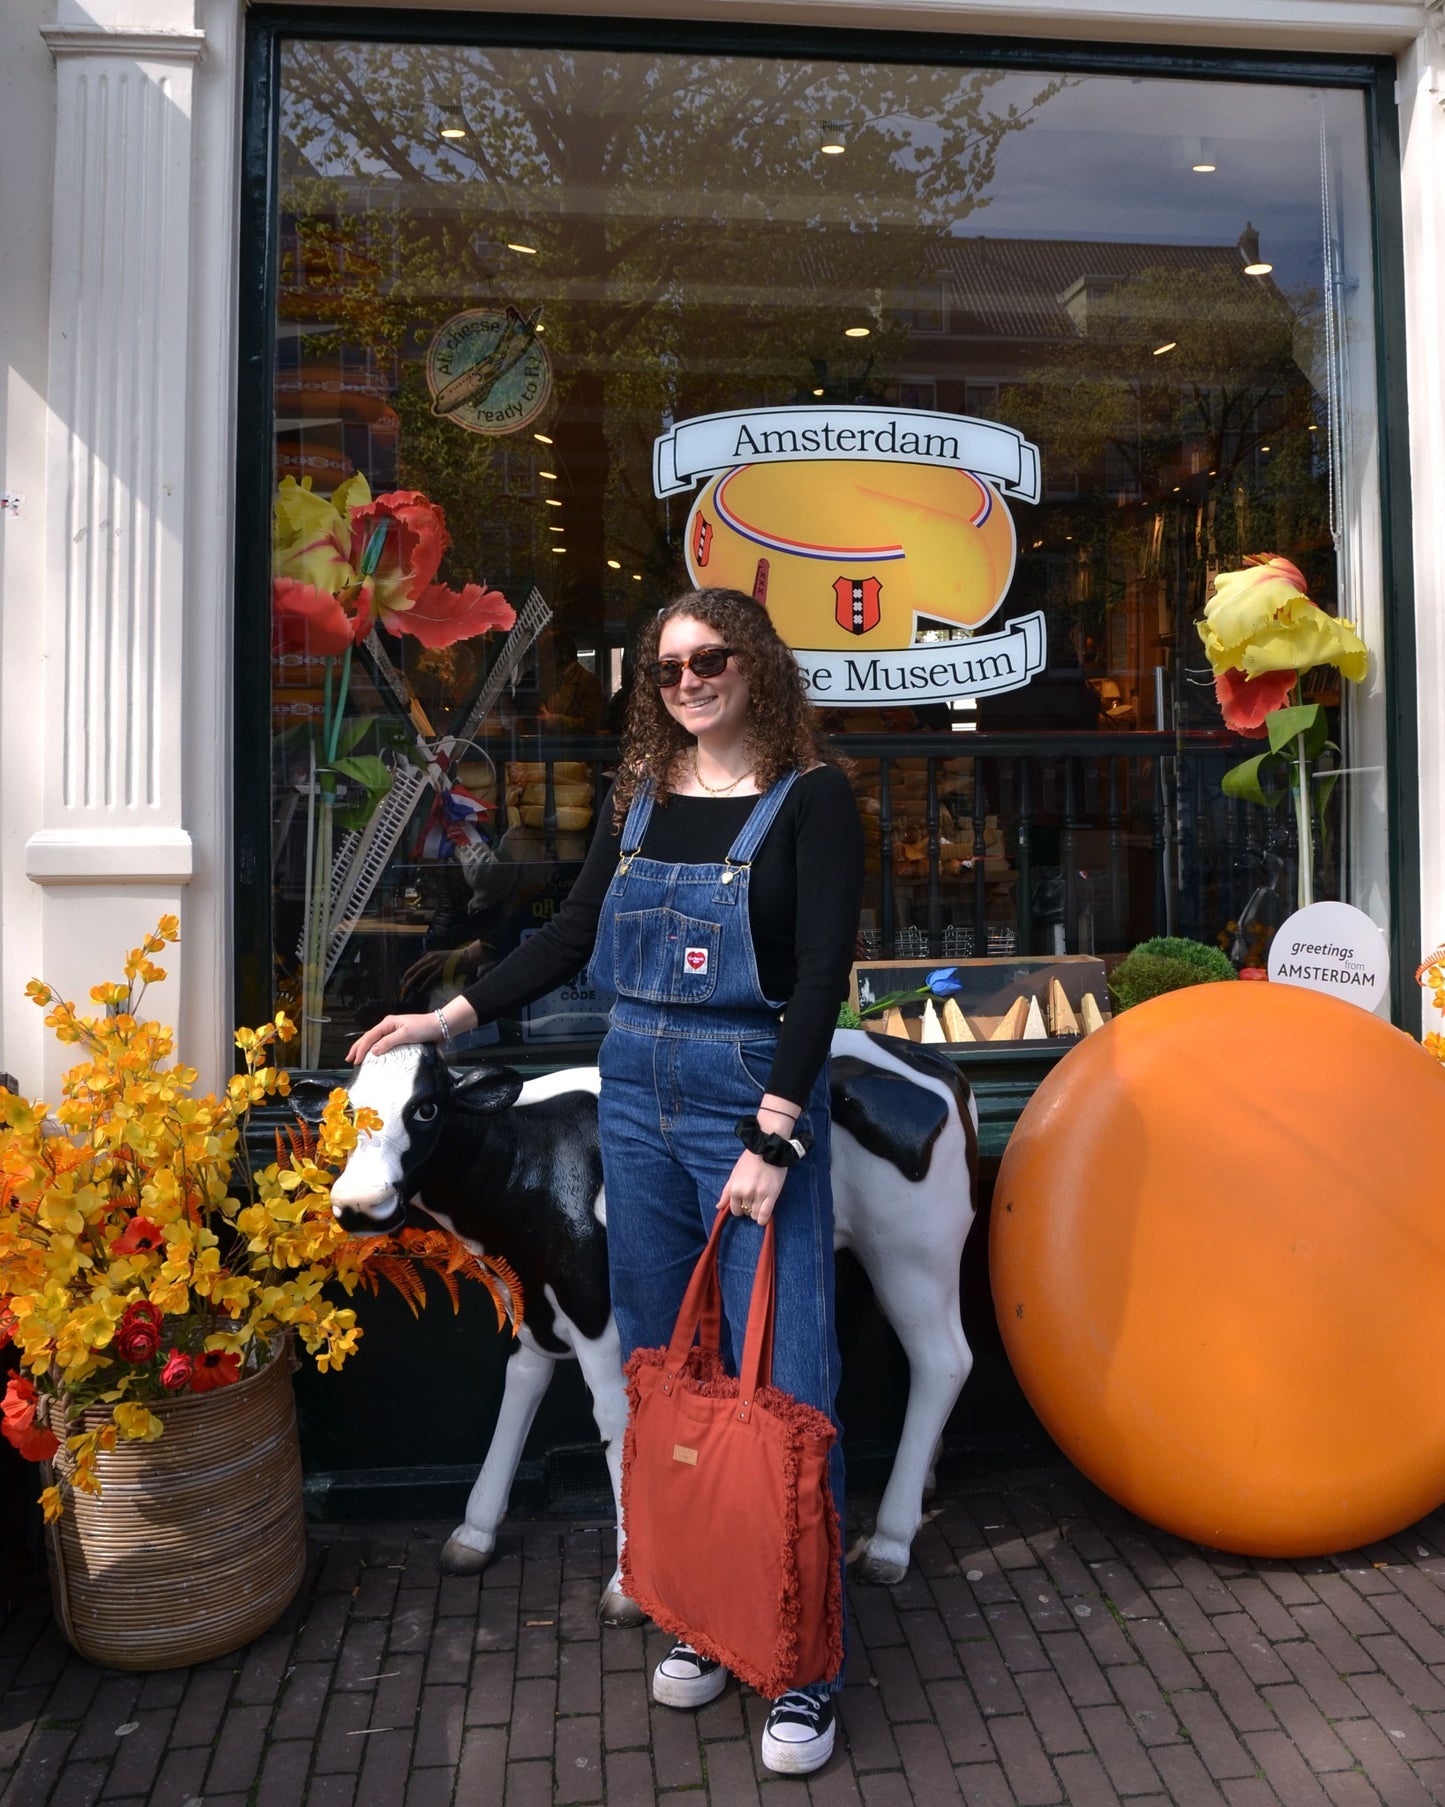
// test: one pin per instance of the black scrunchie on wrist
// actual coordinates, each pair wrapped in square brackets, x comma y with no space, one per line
[777,1151]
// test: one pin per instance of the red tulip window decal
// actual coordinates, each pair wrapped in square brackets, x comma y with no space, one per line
[1262,634]
[345,569]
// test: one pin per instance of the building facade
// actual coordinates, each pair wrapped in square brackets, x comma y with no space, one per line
[242,244]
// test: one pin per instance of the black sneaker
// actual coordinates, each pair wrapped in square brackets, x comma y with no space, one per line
[798,1737]
[685,1679]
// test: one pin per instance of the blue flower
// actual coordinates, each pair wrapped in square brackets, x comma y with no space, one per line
[944,980]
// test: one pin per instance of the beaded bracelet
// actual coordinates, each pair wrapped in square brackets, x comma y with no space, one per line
[446,1027]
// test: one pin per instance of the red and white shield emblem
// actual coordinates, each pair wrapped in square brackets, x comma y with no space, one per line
[701,540]
[695,959]
[857,609]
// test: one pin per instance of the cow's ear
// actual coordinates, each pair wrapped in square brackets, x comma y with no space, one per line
[485,1088]
[309,1097]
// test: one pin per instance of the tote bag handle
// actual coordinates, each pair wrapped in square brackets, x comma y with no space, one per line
[701,1316]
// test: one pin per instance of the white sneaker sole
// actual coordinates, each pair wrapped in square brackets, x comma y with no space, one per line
[787,1759]
[693,1691]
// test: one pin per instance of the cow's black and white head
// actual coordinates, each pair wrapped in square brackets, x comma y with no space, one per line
[416,1095]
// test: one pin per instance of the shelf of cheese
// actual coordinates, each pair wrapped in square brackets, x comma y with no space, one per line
[1056,998]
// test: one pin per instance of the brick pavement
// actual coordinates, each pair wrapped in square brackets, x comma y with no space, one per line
[1046,1648]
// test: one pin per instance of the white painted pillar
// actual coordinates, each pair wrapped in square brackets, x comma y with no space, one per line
[131,810]
[1422,134]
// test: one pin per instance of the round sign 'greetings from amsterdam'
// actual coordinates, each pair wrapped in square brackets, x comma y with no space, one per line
[852,526]
[487,371]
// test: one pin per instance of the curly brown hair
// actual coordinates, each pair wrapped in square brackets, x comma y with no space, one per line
[783,733]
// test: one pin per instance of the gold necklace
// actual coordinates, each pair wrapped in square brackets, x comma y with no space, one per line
[721,790]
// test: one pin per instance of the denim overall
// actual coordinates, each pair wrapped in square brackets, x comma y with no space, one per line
[689,1051]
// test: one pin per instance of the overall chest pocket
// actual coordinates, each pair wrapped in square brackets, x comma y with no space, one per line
[665,957]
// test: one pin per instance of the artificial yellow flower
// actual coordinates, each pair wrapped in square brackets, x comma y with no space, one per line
[1259,620]
[134,1421]
[311,539]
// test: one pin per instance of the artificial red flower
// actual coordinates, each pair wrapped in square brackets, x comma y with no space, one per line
[215,1368]
[176,1375]
[17,1421]
[400,592]
[307,620]
[1245,701]
[139,1237]
[440,616]
[138,1335]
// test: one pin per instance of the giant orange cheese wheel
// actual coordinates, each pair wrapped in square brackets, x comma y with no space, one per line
[1218,1261]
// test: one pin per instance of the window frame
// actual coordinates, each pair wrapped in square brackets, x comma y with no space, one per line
[258,242]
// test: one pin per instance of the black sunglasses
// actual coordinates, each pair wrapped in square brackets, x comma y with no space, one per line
[706,662]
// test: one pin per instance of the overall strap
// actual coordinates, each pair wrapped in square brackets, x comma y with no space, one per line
[761,819]
[635,827]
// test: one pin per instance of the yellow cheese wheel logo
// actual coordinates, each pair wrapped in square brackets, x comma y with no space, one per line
[849,554]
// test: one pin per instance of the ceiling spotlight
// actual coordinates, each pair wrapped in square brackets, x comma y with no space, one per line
[835,138]
[1169,345]
[556,530]
[453,125]
[856,332]
[1313,427]
[540,327]
[1198,155]
[1264,448]
[524,250]
[559,548]
[541,439]
[614,564]
[551,476]
[1259,269]
[552,502]
[637,577]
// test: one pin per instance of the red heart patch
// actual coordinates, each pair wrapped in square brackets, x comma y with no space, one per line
[697,959]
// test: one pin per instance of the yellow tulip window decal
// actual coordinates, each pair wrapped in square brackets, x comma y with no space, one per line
[1261,634]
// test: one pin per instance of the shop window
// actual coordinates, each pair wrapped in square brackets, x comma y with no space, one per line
[512,281]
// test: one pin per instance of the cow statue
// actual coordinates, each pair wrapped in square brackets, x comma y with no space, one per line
[513,1168]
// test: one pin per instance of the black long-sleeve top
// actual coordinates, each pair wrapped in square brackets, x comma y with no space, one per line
[804,893]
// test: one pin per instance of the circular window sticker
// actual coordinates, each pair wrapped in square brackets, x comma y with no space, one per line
[1332,947]
[487,371]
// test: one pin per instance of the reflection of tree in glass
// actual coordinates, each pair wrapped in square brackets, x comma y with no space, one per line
[1185,391]
[692,249]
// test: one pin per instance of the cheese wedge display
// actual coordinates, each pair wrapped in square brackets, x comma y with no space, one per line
[1090,1014]
[1062,1020]
[932,1029]
[1034,1029]
[1011,1027]
[955,1023]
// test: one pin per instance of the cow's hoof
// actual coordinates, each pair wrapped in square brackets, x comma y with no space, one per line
[879,1570]
[460,1558]
[614,1608]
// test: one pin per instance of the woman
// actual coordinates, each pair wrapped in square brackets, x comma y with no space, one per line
[722,886]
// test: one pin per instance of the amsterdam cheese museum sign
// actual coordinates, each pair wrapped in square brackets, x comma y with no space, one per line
[854,525]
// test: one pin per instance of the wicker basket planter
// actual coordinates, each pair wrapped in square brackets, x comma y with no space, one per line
[198,1541]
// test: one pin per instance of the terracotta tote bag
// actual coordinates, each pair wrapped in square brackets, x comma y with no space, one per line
[732,1540]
